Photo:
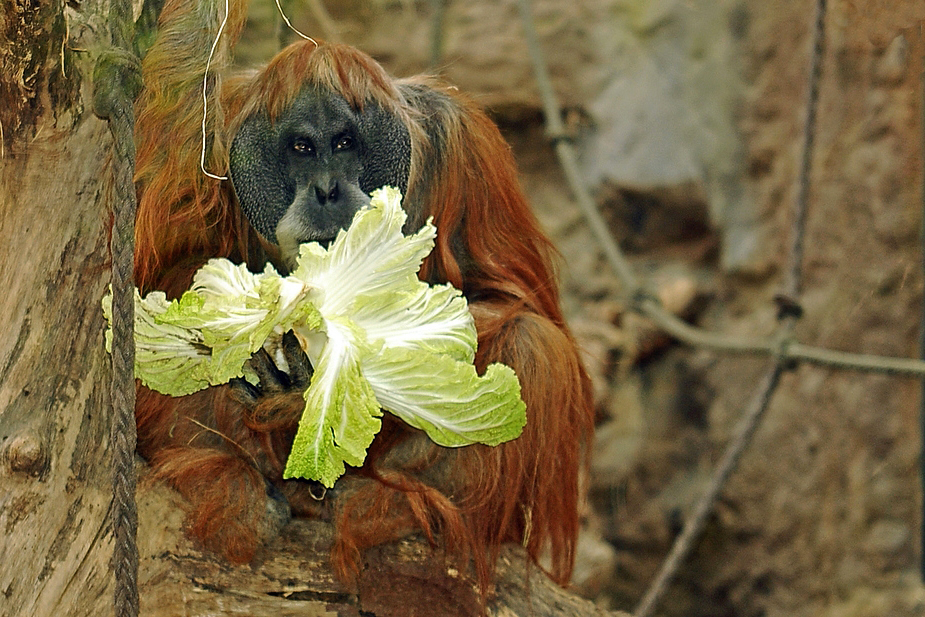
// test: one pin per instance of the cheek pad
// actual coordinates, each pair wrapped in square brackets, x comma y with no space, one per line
[386,149]
[257,174]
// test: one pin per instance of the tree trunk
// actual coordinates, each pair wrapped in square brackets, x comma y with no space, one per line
[54,371]
[292,577]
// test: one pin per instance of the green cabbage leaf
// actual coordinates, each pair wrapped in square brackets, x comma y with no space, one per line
[378,339]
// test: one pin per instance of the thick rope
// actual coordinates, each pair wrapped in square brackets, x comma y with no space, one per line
[555,130]
[794,281]
[922,325]
[117,79]
[694,525]
[789,313]
[782,348]
[123,434]
[635,291]
[437,33]
[651,307]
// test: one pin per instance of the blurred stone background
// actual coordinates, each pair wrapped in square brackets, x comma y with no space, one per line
[688,115]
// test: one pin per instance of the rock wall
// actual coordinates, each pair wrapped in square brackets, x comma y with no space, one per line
[689,118]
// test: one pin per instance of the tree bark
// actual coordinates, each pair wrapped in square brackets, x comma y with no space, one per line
[292,577]
[54,401]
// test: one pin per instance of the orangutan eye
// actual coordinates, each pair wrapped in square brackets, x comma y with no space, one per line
[344,142]
[303,146]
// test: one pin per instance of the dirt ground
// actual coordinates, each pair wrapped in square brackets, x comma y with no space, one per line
[823,515]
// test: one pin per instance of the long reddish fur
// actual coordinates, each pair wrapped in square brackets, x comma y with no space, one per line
[217,453]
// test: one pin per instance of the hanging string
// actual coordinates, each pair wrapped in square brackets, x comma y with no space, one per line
[205,82]
[205,97]
[291,27]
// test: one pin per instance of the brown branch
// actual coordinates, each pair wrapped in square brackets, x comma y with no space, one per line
[292,575]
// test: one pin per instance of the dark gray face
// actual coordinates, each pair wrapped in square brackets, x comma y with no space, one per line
[303,177]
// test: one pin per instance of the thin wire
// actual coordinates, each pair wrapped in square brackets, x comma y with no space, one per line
[293,28]
[205,96]
[205,83]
